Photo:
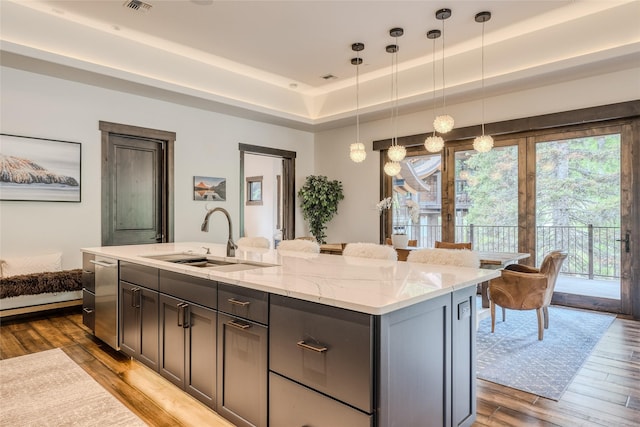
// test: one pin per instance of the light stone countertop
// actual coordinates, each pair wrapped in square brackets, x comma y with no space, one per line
[365,285]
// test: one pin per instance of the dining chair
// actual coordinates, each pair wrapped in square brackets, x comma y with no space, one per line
[451,245]
[253,242]
[445,257]
[521,287]
[411,243]
[299,245]
[370,250]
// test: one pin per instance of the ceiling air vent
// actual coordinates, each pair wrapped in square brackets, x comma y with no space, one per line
[137,5]
[329,77]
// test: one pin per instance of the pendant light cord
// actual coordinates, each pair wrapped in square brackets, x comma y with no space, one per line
[357,96]
[434,83]
[443,84]
[482,67]
[395,123]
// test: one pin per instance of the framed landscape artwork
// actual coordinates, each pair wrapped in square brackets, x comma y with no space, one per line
[210,189]
[38,169]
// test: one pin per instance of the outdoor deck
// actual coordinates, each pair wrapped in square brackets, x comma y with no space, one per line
[588,287]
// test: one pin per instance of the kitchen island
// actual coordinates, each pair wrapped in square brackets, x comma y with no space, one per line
[276,338]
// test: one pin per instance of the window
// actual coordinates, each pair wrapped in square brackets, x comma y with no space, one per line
[254,190]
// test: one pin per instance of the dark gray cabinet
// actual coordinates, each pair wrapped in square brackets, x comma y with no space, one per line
[139,323]
[88,291]
[463,356]
[138,314]
[188,335]
[242,355]
[335,367]
[323,351]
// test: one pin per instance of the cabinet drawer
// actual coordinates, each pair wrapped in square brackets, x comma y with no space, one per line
[326,348]
[89,309]
[242,302]
[88,272]
[194,289]
[139,275]
[293,405]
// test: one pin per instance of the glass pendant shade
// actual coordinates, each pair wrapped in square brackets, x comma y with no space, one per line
[443,123]
[357,152]
[396,153]
[392,168]
[483,144]
[433,144]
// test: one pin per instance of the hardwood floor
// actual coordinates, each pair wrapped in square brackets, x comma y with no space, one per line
[606,391]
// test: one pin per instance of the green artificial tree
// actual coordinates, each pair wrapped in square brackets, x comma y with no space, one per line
[319,199]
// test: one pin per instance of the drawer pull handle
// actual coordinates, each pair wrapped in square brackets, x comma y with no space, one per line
[238,325]
[317,349]
[87,310]
[240,303]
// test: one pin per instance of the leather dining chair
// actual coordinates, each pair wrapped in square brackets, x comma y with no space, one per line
[526,288]
[450,245]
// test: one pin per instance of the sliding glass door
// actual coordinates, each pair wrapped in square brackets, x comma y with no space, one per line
[579,208]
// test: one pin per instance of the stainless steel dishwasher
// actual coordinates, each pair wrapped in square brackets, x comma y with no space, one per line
[106,303]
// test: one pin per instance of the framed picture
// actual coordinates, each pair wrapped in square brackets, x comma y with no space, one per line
[254,190]
[210,189]
[38,169]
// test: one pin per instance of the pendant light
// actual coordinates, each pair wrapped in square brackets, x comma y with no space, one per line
[483,143]
[396,152]
[357,152]
[444,122]
[434,143]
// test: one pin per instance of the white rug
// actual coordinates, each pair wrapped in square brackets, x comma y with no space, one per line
[50,389]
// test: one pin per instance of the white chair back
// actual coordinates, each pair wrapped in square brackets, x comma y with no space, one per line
[253,242]
[457,257]
[299,245]
[370,250]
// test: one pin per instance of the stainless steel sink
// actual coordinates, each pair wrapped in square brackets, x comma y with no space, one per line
[201,261]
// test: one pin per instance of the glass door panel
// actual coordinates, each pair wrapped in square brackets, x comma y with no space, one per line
[486,199]
[578,210]
[416,205]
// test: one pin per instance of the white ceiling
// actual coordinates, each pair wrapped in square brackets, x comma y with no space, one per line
[266,59]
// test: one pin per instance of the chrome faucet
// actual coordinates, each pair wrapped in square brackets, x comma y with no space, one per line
[231,246]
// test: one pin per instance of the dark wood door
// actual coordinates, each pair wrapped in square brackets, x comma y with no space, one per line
[133,193]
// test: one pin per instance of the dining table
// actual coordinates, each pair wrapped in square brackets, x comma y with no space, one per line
[488,259]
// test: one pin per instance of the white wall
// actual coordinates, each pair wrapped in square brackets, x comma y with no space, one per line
[207,144]
[260,220]
[358,219]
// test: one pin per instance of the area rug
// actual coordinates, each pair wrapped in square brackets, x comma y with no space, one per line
[514,357]
[50,389]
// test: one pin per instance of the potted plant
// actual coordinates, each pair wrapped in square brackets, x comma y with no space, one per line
[319,199]
[399,237]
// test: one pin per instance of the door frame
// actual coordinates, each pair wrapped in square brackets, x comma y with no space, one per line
[288,185]
[167,139]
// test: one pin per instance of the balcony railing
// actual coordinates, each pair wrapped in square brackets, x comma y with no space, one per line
[593,252]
